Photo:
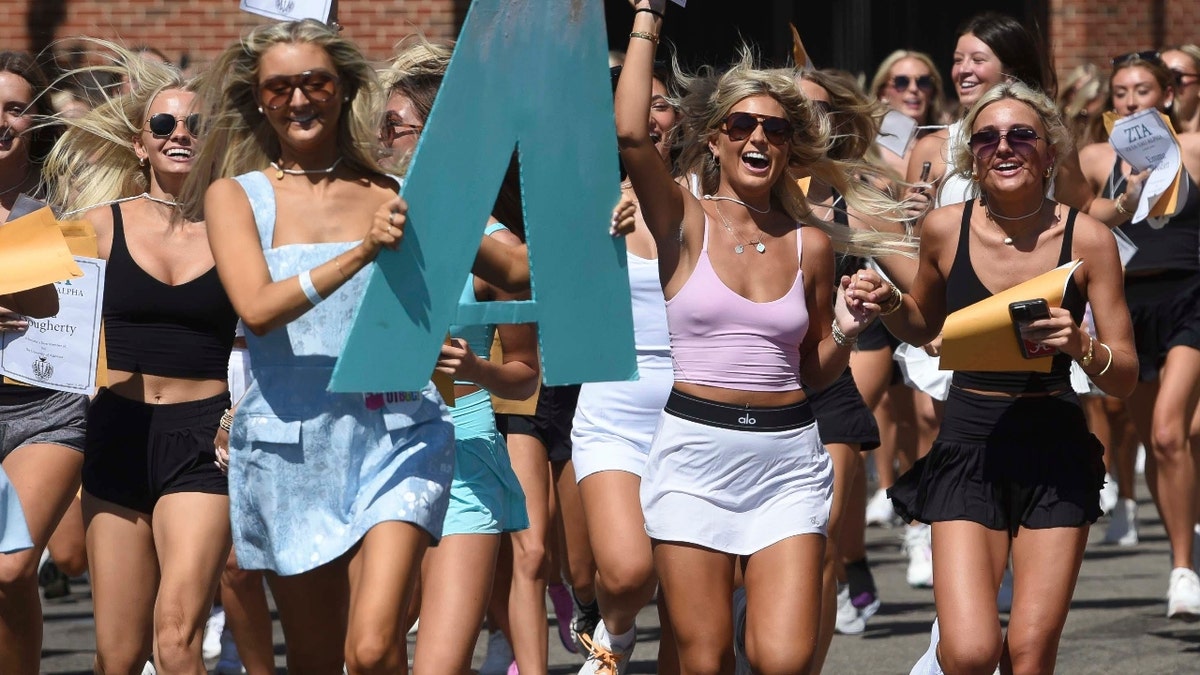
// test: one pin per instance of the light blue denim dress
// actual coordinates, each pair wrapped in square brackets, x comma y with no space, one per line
[312,471]
[14,533]
[485,497]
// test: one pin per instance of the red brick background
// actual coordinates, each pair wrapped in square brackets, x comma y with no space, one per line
[1096,30]
[196,30]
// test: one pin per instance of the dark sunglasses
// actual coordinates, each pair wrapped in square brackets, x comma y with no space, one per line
[1148,55]
[394,127]
[1020,139]
[901,82]
[1181,77]
[318,86]
[162,125]
[740,125]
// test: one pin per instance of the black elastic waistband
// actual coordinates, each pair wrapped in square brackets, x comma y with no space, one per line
[743,418]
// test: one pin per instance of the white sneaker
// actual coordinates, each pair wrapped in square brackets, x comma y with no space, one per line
[741,665]
[499,655]
[1005,594]
[1108,494]
[880,511]
[1122,526]
[928,663]
[1196,548]
[1183,594]
[848,622]
[210,648]
[604,656]
[918,545]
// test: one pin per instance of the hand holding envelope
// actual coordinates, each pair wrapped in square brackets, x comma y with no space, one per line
[980,336]
[34,253]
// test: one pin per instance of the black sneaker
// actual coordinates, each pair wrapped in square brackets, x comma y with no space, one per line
[54,583]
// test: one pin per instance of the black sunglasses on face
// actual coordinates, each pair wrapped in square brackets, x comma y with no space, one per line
[162,125]
[1148,55]
[741,125]
[924,83]
[394,127]
[318,86]
[985,143]
[1181,77]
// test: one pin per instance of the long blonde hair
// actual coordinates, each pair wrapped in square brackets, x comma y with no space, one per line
[94,163]
[707,104]
[238,137]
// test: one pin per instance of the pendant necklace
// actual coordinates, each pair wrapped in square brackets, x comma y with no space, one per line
[993,216]
[713,198]
[740,248]
[280,171]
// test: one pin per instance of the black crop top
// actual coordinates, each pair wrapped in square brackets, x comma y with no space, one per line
[1174,246]
[964,288]
[158,329]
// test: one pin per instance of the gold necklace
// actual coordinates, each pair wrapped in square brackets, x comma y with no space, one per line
[740,248]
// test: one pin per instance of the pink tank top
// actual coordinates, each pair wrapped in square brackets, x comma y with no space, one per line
[721,339]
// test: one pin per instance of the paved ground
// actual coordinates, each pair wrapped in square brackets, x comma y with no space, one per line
[1117,623]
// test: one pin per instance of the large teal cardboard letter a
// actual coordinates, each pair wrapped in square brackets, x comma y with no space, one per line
[531,75]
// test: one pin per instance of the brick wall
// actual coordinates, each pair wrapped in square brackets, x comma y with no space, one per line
[1083,31]
[196,30]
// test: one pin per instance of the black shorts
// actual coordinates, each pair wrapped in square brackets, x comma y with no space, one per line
[877,337]
[843,416]
[1165,310]
[1007,463]
[137,452]
[551,423]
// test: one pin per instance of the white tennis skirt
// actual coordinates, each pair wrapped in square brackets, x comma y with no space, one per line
[615,421]
[733,490]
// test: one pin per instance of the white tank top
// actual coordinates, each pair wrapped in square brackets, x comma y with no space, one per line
[956,188]
[649,309]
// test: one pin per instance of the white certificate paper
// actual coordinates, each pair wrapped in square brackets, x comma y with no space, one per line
[289,10]
[61,352]
[1144,140]
[896,132]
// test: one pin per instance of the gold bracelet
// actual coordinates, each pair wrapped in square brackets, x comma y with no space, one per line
[1119,202]
[227,420]
[841,339]
[895,300]
[1110,360]
[337,260]
[1086,359]
[644,36]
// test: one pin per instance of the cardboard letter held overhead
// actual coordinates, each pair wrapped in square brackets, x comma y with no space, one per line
[530,75]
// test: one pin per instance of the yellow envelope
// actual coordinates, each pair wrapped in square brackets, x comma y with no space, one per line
[33,253]
[981,336]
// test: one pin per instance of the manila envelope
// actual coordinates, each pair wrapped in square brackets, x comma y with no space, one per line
[981,336]
[81,241]
[33,253]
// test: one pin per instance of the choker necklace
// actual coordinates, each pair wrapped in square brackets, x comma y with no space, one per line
[992,216]
[713,198]
[167,202]
[279,171]
[740,248]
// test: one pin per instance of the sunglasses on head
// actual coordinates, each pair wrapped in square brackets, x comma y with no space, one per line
[162,125]
[1148,55]
[901,82]
[741,125]
[317,85]
[1020,139]
[394,127]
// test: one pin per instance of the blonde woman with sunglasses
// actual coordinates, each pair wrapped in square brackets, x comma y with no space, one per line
[155,504]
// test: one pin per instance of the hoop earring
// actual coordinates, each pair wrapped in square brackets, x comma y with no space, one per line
[974,177]
[141,161]
[1049,170]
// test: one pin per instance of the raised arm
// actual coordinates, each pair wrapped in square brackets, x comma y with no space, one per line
[263,304]
[660,198]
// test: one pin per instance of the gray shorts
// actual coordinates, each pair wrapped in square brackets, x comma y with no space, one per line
[29,415]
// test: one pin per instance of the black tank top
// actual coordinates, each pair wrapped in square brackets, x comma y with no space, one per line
[158,329]
[1176,245]
[964,288]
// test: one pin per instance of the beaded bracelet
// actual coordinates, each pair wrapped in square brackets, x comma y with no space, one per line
[1086,359]
[840,338]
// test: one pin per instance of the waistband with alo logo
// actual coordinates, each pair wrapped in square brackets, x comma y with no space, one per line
[744,418]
